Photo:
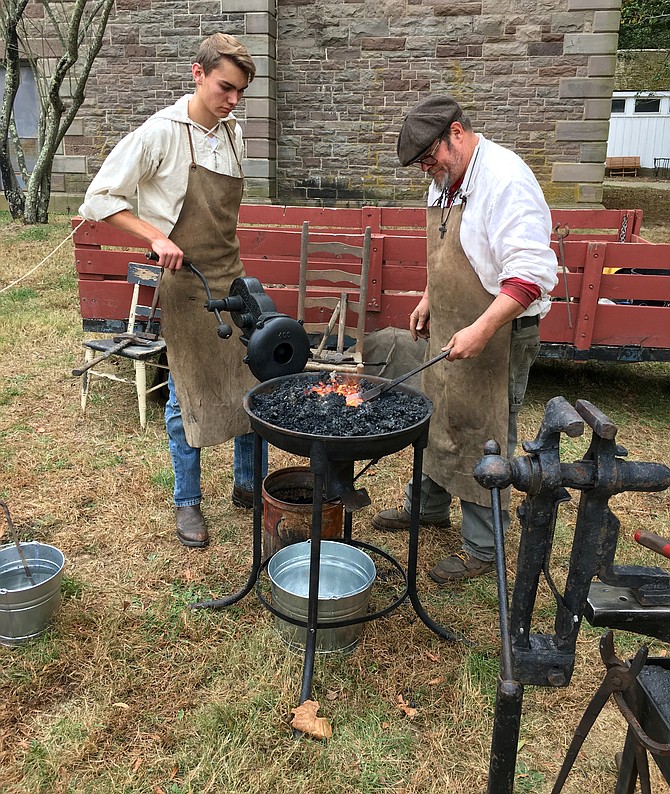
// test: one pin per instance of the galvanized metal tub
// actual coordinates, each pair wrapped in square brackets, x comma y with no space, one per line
[346,576]
[26,609]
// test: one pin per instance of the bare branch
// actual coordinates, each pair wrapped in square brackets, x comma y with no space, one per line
[79,27]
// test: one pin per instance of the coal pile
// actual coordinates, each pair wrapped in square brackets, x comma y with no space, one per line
[294,405]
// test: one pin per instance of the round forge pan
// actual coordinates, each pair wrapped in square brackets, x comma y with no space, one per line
[340,448]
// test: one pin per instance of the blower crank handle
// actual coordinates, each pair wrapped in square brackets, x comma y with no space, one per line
[224,330]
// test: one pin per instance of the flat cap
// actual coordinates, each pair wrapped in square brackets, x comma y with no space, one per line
[424,124]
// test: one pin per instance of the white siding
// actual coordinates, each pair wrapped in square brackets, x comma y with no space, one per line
[643,135]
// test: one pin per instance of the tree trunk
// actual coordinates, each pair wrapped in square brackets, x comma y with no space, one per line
[55,117]
[13,192]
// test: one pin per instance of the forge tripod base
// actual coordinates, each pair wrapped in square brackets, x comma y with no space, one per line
[321,468]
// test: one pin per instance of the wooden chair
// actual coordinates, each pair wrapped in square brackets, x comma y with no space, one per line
[145,352]
[326,308]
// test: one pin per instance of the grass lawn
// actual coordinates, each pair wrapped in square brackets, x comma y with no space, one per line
[131,692]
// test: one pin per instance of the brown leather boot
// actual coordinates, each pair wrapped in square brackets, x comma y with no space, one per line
[242,498]
[397,519]
[460,565]
[191,527]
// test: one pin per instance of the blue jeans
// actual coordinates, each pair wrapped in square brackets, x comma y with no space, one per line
[186,459]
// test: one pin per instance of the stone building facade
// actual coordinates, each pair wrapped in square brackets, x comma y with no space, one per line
[335,78]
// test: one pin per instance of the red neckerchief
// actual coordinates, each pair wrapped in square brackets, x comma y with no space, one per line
[453,189]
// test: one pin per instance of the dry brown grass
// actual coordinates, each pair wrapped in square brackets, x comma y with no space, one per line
[132,692]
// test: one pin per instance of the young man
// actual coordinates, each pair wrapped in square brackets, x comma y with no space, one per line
[490,269]
[184,166]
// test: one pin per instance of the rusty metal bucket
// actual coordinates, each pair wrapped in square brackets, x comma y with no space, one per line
[288,496]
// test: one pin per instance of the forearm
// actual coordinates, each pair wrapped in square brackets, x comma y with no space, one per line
[169,254]
[502,311]
[471,340]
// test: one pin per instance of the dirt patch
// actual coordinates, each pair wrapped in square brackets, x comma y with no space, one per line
[653,198]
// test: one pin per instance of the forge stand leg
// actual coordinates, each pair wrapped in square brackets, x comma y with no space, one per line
[413,552]
[220,603]
[318,464]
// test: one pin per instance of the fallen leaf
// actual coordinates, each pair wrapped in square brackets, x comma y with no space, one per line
[331,694]
[408,710]
[432,656]
[435,681]
[306,721]
[173,774]
[137,764]
[158,790]
[386,725]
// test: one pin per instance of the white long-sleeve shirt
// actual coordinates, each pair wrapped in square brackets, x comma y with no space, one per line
[152,162]
[506,223]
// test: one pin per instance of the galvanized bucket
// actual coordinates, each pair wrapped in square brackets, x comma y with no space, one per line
[26,608]
[346,576]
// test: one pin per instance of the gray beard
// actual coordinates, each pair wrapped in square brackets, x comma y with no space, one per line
[442,182]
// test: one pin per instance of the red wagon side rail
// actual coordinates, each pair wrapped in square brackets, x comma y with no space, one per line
[612,303]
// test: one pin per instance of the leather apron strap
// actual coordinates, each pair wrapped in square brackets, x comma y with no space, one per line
[209,374]
[470,396]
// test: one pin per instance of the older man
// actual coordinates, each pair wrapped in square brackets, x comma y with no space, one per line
[490,269]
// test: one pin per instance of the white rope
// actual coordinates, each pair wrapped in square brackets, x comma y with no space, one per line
[25,275]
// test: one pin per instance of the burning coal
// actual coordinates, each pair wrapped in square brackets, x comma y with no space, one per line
[321,407]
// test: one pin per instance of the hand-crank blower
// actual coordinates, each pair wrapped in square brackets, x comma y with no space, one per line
[276,344]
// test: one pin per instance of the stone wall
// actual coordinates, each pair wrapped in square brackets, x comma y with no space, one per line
[145,65]
[321,118]
[534,76]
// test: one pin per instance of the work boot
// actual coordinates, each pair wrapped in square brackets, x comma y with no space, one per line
[191,527]
[397,519]
[242,498]
[460,565]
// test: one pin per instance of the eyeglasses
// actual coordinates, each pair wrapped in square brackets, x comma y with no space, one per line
[429,159]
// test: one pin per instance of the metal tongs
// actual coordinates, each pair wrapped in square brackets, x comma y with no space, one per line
[370,394]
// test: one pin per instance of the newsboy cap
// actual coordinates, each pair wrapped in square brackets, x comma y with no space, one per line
[430,118]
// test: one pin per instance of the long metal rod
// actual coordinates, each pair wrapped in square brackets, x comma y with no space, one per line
[17,543]
[370,394]
[318,464]
[506,658]
[509,695]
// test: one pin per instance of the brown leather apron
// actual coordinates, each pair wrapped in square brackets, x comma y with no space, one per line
[470,396]
[209,376]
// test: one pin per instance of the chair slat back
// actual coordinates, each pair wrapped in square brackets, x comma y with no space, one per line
[338,295]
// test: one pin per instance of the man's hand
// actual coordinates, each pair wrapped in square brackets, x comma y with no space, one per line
[419,320]
[467,343]
[170,256]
